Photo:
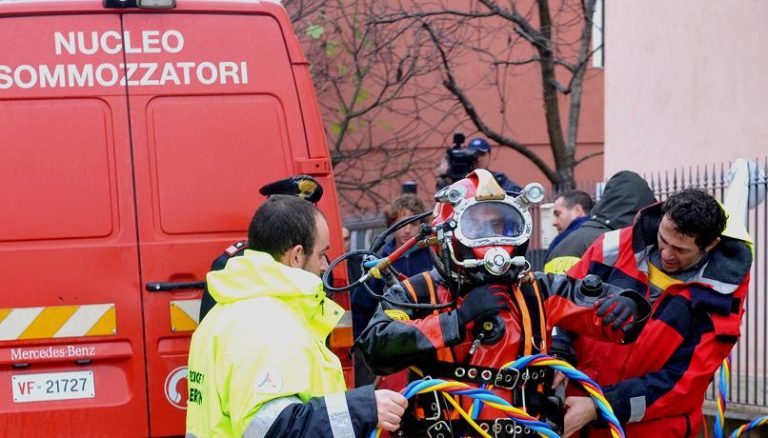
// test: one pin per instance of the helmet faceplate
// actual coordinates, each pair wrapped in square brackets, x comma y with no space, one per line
[491,223]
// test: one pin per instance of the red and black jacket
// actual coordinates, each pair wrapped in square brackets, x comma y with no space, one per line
[657,383]
[432,341]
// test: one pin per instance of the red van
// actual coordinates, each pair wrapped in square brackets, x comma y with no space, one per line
[133,141]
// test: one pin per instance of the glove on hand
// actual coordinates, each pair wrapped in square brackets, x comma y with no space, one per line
[619,310]
[482,301]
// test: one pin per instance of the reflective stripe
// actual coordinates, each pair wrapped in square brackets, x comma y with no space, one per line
[16,321]
[338,415]
[611,248]
[266,416]
[57,322]
[185,315]
[559,265]
[641,258]
[345,321]
[720,287]
[636,408]
[84,318]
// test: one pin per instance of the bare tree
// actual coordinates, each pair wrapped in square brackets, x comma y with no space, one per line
[373,83]
[299,10]
[507,37]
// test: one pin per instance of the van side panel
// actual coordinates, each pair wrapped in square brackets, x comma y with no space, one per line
[216,117]
[68,203]
[197,139]
[71,344]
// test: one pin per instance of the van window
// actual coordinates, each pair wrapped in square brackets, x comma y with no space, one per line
[58,169]
[210,155]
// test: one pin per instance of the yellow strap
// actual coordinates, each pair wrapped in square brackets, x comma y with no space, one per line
[658,278]
[411,292]
[527,329]
[431,288]
[443,354]
[542,318]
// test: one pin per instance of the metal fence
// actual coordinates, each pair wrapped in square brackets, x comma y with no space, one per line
[748,386]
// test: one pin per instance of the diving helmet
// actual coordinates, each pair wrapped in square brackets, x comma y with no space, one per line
[483,232]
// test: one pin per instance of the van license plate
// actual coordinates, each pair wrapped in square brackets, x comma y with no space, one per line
[53,386]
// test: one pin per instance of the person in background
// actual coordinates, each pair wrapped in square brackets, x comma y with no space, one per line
[624,195]
[363,303]
[258,363]
[694,267]
[483,150]
[571,210]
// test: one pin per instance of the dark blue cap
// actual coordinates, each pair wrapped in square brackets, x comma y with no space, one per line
[303,186]
[479,144]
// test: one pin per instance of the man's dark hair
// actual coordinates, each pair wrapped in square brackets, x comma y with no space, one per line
[282,222]
[697,214]
[572,198]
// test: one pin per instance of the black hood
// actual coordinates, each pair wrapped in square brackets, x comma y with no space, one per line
[624,195]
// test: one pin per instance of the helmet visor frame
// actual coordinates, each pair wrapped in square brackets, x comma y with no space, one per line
[492,223]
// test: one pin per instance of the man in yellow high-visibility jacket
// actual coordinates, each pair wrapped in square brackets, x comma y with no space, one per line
[258,363]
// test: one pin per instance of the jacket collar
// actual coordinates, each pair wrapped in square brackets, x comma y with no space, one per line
[257,274]
[726,269]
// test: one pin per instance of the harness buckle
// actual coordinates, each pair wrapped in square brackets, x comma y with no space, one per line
[505,427]
[435,409]
[507,378]
[440,429]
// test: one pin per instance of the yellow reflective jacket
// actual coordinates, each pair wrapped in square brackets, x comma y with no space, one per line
[264,340]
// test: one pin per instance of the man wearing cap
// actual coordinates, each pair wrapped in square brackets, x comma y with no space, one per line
[303,186]
[258,364]
[483,152]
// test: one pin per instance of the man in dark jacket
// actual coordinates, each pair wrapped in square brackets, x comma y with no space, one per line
[625,194]
[571,210]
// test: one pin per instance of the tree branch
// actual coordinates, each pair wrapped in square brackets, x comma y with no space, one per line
[587,157]
[450,83]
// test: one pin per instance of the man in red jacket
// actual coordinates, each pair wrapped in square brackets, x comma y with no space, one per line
[682,255]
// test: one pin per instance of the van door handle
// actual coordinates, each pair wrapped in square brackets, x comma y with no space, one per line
[170,286]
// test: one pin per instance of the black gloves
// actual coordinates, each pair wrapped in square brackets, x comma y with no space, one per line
[482,301]
[617,309]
